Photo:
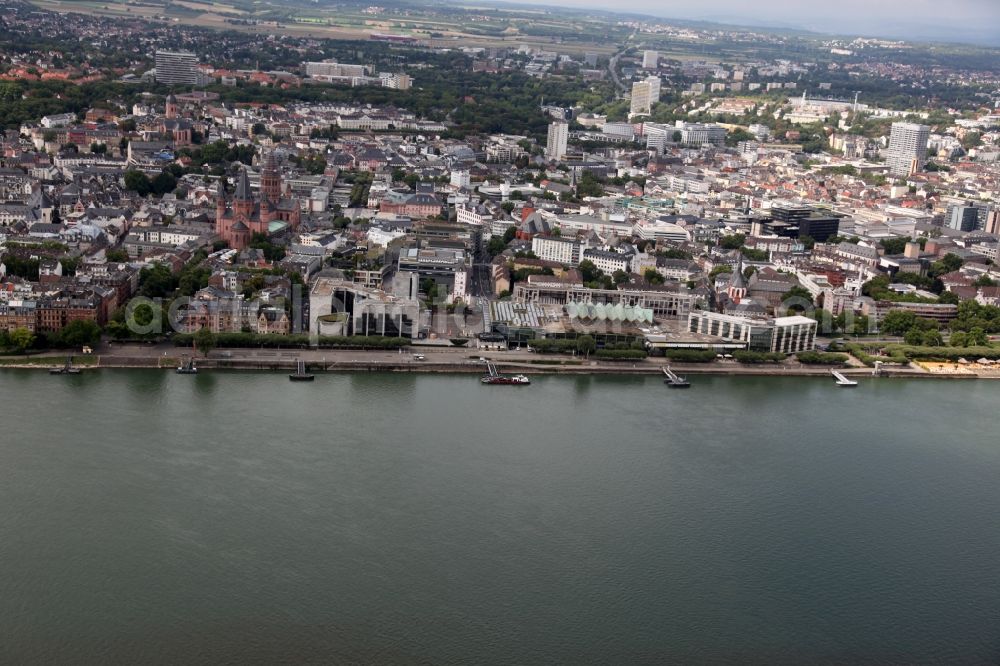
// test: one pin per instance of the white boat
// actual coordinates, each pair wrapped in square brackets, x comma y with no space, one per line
[842,380]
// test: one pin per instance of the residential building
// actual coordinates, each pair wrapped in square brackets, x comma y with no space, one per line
[505,148]
[396,81]
[654,88]
[553,248]
[642,99]
[907,152]
[58,120]
[461,178]
[608,262]
[555,145]
[177,68]
[334,69]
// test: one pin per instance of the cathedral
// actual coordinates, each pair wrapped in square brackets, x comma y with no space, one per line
[237,221]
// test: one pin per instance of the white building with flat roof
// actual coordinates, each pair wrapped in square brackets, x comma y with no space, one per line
[701,134]
[608,262]
[561,250]
[658,230]
[461,178]
[642,99]
[570,224]
[655,83]
[332,68]
[558,137]
[787,335]
[177,68]
[907,152]
[476,216]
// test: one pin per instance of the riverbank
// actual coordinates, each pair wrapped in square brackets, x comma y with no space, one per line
[451,363]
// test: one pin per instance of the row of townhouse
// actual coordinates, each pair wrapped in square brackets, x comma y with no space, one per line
[223,311]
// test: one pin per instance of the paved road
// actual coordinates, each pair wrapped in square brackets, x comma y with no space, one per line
[613,69]
[482,280]
[466,359]
[442,355]
[613,65]
[436,356]
[432,355]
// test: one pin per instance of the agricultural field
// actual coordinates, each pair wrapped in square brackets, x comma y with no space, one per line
[440,26]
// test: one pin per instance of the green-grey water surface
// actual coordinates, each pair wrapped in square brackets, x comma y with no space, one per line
[151,518]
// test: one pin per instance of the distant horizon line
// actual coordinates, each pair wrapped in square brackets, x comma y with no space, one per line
[947,37]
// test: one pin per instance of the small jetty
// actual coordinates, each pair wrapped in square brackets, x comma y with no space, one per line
[842,380]
[673,380]
[67,369]
[187,368]
[494,377]
[300,374]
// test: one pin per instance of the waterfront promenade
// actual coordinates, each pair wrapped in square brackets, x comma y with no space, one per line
[440,359]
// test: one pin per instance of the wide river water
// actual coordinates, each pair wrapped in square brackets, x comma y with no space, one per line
[150,518]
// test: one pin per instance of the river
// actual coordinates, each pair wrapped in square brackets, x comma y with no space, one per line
[381,518]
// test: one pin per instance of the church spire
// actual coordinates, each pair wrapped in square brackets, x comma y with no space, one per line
[243,186]
[738,283]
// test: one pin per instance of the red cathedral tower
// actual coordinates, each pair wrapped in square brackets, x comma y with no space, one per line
[270,179]
[237,221]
